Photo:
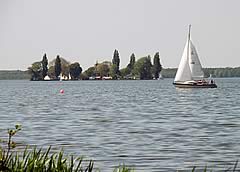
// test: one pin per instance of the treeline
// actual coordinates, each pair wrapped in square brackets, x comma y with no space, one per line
[143,68]
[166,73]
[222,72]
[214,72]
[13,75]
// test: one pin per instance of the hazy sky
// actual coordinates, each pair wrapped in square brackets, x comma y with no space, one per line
[89,30]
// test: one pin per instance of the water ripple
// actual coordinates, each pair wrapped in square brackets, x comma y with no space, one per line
[147,124]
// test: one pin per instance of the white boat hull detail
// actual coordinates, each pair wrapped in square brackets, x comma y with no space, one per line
[182,85]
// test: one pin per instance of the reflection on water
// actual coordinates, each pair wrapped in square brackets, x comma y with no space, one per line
[150,125]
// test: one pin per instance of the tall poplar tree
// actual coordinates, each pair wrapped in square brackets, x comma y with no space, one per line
[132,62]
[58,68]
[44,66]
[157,67]
[115,67]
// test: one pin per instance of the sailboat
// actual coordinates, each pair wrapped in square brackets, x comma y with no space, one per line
[190,73]
[160,76]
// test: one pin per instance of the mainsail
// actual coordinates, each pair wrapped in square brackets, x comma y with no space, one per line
[190,67]
[184,72]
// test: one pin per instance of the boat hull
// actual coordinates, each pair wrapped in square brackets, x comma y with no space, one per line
[184,85]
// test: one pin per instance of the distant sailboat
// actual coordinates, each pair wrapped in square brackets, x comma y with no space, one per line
[160,76]
[47,78]
[190,73]
[61,77]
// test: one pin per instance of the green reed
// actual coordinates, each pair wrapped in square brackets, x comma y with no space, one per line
[230,169]
[39,160]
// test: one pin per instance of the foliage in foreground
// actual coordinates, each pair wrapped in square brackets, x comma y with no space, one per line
[37,160]
[230,169]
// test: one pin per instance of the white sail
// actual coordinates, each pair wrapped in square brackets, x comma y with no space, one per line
[184,72]
[194,63]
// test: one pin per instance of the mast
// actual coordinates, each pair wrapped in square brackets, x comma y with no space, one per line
[189,30]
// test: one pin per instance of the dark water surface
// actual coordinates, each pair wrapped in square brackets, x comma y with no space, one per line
[149,125]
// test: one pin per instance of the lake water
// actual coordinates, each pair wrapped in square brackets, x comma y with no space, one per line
[149,125]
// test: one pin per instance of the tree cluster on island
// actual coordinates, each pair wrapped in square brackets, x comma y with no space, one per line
[59,69]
